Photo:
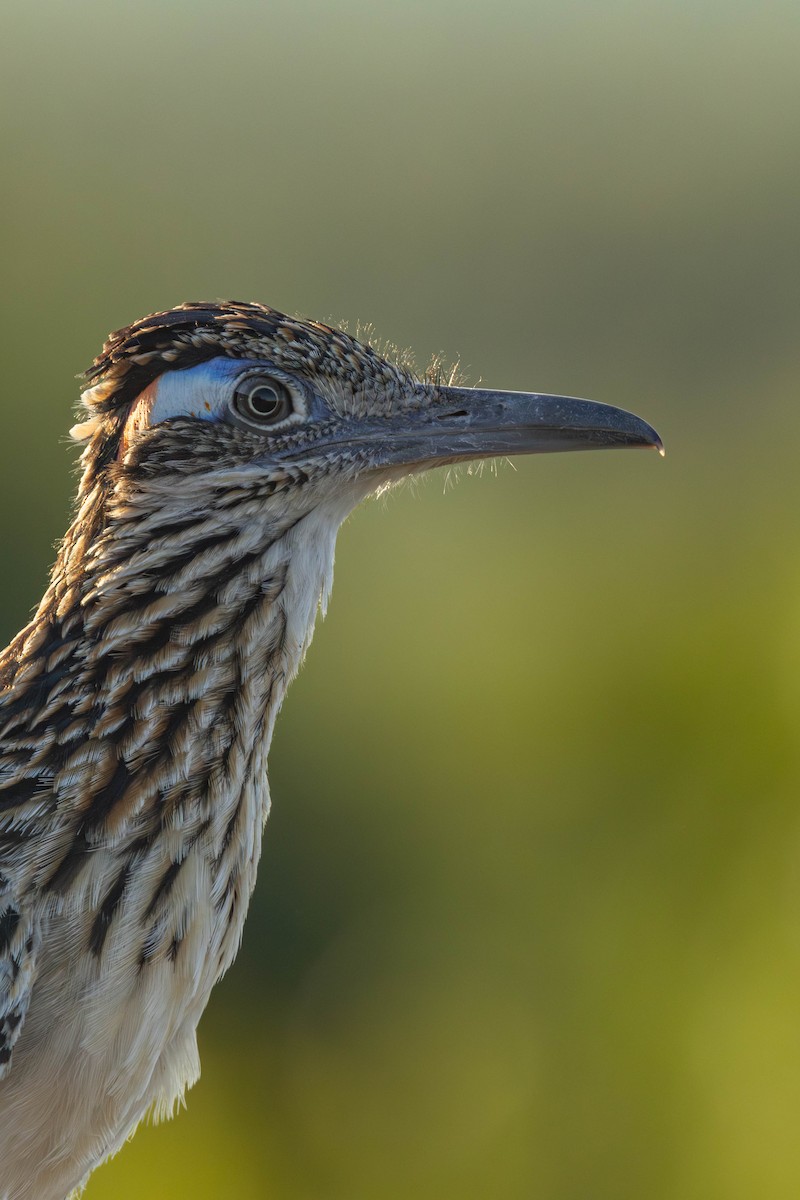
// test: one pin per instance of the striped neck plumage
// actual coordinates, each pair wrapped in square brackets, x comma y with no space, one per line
[155,667]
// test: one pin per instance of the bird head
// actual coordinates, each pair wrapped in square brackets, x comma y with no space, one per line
[240,399]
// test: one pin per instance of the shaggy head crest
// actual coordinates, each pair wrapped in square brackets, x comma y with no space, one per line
[192,333]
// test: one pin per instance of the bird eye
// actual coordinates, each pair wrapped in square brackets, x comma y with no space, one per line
[263,401]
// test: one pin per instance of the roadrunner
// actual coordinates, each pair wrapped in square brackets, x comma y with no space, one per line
[224,444]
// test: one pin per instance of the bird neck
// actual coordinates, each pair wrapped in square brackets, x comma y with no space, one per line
[159,657]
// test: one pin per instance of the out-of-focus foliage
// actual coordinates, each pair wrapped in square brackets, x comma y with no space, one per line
[528,922]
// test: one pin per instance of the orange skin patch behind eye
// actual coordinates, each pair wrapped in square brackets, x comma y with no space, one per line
[138,417]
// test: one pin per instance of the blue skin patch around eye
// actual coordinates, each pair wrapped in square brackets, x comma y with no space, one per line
[205,391]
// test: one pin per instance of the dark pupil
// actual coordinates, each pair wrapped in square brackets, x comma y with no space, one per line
[264,401]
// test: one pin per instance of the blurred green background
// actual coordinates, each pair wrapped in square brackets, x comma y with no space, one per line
[528,921]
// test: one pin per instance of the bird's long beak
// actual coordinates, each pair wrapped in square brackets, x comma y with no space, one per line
[469,423]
